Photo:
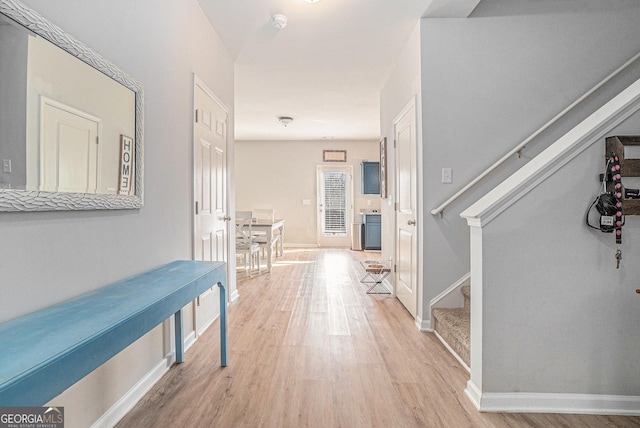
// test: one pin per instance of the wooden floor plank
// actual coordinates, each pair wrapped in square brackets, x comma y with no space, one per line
[309,348]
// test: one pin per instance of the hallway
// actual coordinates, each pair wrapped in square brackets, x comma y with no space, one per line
[308,348]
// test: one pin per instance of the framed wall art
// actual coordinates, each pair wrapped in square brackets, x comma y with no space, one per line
[334,156]
[383,168]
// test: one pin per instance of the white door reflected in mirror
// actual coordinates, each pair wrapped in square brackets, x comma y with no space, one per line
[64,111]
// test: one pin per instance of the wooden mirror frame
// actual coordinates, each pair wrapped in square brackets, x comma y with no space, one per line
[35,200]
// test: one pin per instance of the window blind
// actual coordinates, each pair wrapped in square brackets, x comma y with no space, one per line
[335,203]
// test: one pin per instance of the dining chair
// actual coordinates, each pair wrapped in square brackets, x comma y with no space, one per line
[266,214]
[248,217]
[246,245]
[244,214]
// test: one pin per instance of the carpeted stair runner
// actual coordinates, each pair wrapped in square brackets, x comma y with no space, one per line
[454,327]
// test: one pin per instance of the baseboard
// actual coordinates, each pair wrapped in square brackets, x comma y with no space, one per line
[292,245]
[190,340]
[522,402]
[423,325]
[135,394]
[234,296]
[473,393]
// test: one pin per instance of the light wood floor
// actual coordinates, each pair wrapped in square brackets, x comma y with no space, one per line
[308,348]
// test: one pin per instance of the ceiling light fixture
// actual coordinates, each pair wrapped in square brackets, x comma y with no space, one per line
[279,21]
[285,120]
[312,1]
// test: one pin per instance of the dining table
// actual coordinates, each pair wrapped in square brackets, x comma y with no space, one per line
[268,227]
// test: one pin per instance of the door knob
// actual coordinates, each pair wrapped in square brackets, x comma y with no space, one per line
[226,218]
[411,222]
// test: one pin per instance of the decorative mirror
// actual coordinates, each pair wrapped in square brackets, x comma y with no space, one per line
[71,122]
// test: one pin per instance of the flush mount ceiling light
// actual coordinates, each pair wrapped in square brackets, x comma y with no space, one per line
[279,21]
[285,120]
[312,1]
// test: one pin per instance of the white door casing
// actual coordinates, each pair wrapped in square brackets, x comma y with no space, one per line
[406,214]
[69,148]
[210,238]
[334,239]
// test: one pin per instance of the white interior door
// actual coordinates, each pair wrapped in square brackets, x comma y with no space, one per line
[335,205]
[210,197]
[406,198]
[69,149]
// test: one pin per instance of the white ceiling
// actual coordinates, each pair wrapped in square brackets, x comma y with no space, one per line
[325,68]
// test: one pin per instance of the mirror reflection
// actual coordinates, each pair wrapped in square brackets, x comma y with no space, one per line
[64,126]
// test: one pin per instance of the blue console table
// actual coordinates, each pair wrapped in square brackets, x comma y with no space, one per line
[47,351]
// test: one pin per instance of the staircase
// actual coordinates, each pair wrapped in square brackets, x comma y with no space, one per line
[453,327]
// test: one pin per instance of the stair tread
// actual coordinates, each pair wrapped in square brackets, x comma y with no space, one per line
[452,315]
[456,321]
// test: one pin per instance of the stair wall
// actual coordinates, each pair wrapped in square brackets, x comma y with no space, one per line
[557,319]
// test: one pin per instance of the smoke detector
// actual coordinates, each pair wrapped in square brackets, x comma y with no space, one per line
[279,21]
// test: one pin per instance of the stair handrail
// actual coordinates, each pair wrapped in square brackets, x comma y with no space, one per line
[517,149]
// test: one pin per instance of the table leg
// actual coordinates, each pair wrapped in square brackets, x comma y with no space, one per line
[223,325]
[178,337]
[281,240]
[269,248]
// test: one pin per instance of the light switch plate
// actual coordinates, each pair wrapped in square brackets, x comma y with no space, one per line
[446,175]
[6,165]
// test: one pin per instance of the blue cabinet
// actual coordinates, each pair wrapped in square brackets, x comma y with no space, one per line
[370,178]
[372,231]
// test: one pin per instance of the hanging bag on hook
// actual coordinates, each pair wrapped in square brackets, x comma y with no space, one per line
[605,204]
[609,204]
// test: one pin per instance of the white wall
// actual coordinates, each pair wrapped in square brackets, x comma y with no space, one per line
[281,174]
[491,80]
[49,257]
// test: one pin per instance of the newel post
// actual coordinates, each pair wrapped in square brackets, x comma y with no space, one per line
[474,385]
